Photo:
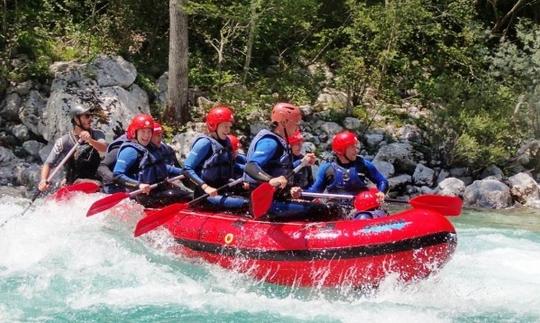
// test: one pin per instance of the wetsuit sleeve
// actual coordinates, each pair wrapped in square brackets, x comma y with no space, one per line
[239,163]
[262,154]
[196,157]
[376,177]
[321,180]
[126,159]
[174,171]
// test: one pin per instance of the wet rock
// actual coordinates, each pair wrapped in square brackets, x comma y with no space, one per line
[32,147]
[487,193]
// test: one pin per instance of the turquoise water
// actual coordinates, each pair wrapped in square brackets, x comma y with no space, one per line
[58,266]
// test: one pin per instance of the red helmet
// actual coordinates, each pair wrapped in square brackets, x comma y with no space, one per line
[157,128]
[283,112]
[296,138]
[234,142]
[217,115]
[140,121]
[367,200]
[342,141]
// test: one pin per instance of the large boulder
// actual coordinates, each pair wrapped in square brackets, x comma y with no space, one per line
[113,94]
[523,188]
[451,186]
[423,175]
[385,168]
[487,193]
[10,107]
[113,71]
[331,99]
[31,112]
[401,155]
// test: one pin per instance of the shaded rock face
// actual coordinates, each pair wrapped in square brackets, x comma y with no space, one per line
[487,193]
[423,175]
[524,188]
[400,155]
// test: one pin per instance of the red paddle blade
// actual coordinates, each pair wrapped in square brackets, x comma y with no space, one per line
[106,203]
[447,205]
[261,199]
[83,187]
[158,218]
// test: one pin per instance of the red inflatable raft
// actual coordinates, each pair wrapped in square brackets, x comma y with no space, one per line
[411,244]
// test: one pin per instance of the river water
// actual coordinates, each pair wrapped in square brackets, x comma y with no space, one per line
[57,266]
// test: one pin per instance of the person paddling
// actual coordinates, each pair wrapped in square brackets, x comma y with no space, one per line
[348,173]
[304,178]
[83,164]
[269,158]
[137,166]
[210,163]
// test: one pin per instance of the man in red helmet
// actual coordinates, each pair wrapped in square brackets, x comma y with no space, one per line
[137,167]
[347,174]
[85,161]
[210,163]
[165,152]
[269,158]
[304,178]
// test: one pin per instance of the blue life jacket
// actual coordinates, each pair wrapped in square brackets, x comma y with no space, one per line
[218,168]
[280,164]
[165,153]
[303,178]
[149,169]
[349,180]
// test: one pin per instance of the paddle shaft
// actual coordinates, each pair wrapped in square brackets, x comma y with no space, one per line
[48,181]
[230,184]
[168,180]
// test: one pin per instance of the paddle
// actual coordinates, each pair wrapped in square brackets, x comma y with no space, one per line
[162,216]
[113,199]
[263,196]
[84,187]
[447,205]
[49,179]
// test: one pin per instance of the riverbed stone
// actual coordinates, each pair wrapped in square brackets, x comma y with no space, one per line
[423,175]
[523,188]
[487,193]
[451,186]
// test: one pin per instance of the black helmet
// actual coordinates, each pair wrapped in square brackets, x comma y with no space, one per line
[77,109]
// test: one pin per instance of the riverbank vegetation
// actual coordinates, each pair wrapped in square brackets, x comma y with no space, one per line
[473,65]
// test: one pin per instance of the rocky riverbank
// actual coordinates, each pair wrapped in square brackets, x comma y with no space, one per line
[33,115]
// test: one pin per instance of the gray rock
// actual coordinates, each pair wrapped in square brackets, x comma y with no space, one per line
[423,175]
[399,181]
[11,106]
[113,71]
[6,156]
[373,139]
[23,88]
[385,168]
[331,99]
[309,147]
[256,127]
[33,147]
[443,174]
[400,155]
[352,123]
[459,172]
[523,188]
[331,128]
[487,194]
[307,111]
[492,171]
[451,186]
[410,133]
[467,180]
[20,132]
[182,142]
[31,113]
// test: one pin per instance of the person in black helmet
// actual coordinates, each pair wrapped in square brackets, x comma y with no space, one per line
[85,161]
